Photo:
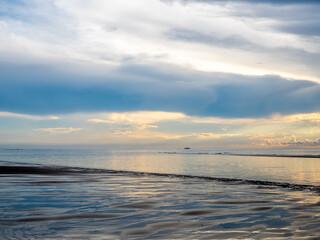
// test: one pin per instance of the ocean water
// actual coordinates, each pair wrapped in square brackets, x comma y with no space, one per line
[176,194]
[212,163]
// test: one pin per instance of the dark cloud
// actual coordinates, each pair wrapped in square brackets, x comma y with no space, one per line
[299,19]
[198,37]
[256,1]
[38,90]
[265,96]
[308,28]
[307,142]
[292,16]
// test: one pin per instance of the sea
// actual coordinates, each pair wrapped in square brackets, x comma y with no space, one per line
[103,193]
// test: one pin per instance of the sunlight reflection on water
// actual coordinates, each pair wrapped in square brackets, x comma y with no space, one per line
[281,169]
[124,206]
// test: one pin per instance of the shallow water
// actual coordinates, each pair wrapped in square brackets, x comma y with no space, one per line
[191,162]
[100,205]
[113,197]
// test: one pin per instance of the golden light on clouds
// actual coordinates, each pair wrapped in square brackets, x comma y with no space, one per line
[139,119]
[57,130]
[139,116]
[277,118]
[296,130]
[246,63]
[275,131]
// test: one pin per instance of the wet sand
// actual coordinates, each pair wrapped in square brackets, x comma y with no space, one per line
[75,203]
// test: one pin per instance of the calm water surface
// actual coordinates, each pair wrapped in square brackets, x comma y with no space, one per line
[126,206]
[192,162]
[116,205]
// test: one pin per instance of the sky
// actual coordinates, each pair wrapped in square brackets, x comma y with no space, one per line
[199,73]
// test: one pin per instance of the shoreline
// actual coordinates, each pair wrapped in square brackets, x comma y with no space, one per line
[64,170]
[52,202]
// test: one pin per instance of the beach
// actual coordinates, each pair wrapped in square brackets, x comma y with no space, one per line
[46,202]
[160,119]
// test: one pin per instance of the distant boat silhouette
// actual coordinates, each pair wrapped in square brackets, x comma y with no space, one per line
[187,148]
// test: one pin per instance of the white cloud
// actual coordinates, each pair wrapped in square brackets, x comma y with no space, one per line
[275,119]
[139,119]
[115,32]
[58,130]
[27,116]
[213,135]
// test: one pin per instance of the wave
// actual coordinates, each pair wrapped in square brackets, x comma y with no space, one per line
[248,154]
[59,170]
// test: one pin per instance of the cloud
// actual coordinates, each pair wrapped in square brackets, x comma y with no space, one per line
[96,120]
[128,134]
[263,97]
[203,136]
[305,21]
[277,2]
[268,131]
[137,120]
[139,116]
[206,38]
[174,90]
[305,142]
[308,28]
[237,36]
[80,60]
[58,130]
[26,116]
